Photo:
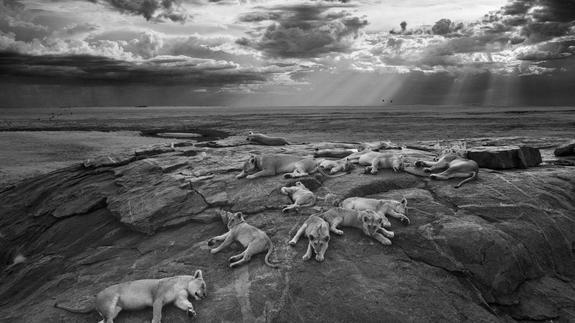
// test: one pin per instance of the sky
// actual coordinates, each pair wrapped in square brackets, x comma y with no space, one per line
[280,52]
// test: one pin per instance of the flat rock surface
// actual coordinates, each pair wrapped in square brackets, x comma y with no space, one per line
[498,249]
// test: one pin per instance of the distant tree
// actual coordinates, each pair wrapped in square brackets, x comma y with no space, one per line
[403,25]
[442,27]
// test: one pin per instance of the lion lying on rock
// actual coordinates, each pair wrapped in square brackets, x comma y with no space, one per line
[316,230]
[378,160]
[290,166]
[253,239]
[367,221]
[382,207]
[262,139]
[334,166]
[300,195]
[138,294]
[455,167]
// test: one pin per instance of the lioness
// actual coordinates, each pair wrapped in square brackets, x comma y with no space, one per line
[382,207]
[457,167]
[317,232]
[376,160]
[334,166]
[364,220]
[138,294]
[266,140]
[270,165]
[253,239]
[300,196]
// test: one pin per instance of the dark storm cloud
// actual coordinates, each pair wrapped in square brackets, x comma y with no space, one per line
[543,10]
[303,30]
[541,19]
[84,69]
[156,10]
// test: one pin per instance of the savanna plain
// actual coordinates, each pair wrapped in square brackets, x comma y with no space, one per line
[36,141]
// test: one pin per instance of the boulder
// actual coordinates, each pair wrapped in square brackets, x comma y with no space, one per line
[566,149]
[147,200]
[505,157]
[495,250]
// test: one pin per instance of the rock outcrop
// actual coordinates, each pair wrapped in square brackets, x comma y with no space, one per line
[496,250]
[566,149]
[505,157]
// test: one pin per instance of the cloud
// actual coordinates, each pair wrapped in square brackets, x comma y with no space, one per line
[152,10]
[542,10]
[303,30]
[161,70]
[517,39]
[541,20]
[12,21]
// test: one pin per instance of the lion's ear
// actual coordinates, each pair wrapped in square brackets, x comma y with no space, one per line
[198,274]
[239,215]
[404,201]
[251,133]
[252,159]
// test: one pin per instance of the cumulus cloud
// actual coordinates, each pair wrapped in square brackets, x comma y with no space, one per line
[152,10]
[517,39]
[303,30]
[12,21]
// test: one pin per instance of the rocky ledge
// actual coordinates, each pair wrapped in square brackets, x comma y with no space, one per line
[498,249]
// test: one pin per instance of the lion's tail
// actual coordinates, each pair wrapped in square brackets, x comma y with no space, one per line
[267,258]
[472,177]
[83,310]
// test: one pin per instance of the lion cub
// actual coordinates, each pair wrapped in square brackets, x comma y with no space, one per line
[382,207]
[300,195]
[334,166]
[317,232]
[366,220]
[253,239]
[138,294]
[453,166]
[376,160]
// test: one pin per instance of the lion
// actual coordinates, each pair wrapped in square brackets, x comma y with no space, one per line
[334,166]
[316,230]
[455,167]
[138,294]
[376,160]
[253,239]
[367,221]
[380,206]
[300,195]
[290,166]
[266,140]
